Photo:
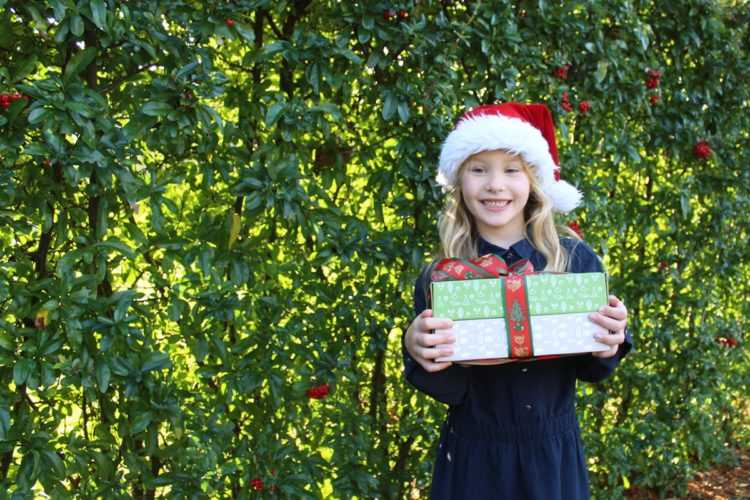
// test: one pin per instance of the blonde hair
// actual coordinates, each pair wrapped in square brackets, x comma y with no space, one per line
[458,233]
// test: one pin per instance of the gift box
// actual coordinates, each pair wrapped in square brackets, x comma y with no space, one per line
[519,316]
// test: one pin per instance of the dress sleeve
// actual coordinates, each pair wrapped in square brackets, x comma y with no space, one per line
[590,368]
[447,386]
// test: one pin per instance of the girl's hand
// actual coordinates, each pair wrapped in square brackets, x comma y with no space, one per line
[612,317]
[421,343]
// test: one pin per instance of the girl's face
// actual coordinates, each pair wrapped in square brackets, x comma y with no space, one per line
[495,189]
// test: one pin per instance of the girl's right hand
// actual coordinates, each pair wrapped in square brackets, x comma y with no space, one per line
[421,343]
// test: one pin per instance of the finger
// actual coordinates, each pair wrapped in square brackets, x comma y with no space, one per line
[431,353]
[435,339]
[614,301]
[614,310]
[429,324]
[611,340]
[607,322]
[615,307]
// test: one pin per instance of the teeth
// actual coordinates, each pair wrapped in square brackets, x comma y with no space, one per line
[495,204]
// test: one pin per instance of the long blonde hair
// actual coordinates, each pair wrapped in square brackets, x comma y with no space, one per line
[458,233]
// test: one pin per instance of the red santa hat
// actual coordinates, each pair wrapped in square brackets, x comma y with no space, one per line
[523,129]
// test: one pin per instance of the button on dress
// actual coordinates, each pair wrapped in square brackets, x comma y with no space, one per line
[511,430]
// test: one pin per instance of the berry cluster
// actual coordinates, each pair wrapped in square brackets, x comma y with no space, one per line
[726,342]
[653,83]
[576,228]
[6,99]
[702,150]
[257,484]
[389,14]
[318,391]
[583,106]
[565,104]
[561,72]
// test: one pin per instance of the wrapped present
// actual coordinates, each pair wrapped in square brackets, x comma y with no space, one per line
[503,313]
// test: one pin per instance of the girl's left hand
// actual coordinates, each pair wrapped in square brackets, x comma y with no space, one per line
[612,317]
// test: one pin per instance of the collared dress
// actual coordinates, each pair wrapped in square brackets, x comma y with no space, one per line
[511,430]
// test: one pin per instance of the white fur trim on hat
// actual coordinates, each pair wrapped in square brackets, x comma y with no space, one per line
[489,132]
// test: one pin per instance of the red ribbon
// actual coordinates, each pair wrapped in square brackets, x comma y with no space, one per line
[517,317]
[485,267]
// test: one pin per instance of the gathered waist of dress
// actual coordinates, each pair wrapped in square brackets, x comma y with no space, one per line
[531,431]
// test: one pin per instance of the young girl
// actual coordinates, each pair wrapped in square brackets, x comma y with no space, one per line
[511,430]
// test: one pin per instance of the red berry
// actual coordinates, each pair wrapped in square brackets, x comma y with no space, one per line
[654,99]
[566,106]
[4,97]
[403,14]
[584,106]
[652,83]
[654,73]
[561,72]
[702,149]
[230,23]
[576,228]
[388,14]
[318,392]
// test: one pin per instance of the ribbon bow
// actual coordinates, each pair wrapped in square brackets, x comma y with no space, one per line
[484,267]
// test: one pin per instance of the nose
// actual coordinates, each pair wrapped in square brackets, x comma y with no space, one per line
[495,182]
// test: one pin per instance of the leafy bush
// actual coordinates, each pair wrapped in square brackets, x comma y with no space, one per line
[213,216]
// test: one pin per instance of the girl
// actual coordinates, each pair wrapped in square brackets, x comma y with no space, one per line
[511,430]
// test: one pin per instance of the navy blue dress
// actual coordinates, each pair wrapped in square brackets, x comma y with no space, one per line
[511,430]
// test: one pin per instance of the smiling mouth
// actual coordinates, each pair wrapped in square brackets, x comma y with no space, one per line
[495,203]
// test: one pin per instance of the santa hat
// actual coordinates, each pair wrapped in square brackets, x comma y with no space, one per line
[523,129]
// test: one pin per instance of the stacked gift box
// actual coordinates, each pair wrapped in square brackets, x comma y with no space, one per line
[521,317]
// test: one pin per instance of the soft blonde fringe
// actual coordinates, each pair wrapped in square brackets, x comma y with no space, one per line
[458,236]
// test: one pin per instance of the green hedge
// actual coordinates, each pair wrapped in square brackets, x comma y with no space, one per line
[212,216]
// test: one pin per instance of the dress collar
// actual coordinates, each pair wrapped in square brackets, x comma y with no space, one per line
[523,248]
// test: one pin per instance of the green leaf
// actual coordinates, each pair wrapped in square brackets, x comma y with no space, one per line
[76,25]
[26,68]
[601,71]
[99,14]
[156,108]
[274,112]
[54,141]
[79,62]
[156,361]
[102,375]
[38,115]
[113,244]
[22,370]
[389,107]
[141,421]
